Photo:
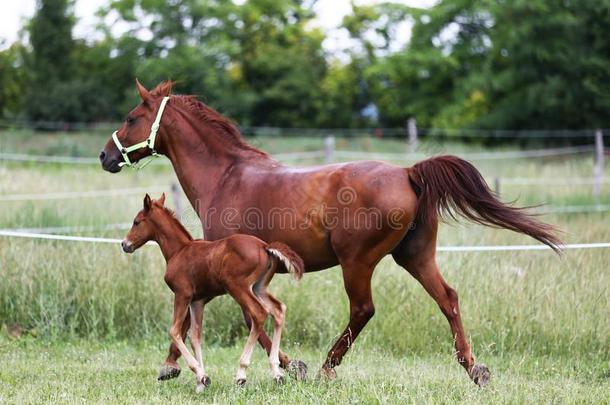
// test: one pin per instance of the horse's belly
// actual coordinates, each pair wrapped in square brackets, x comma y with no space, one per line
[312,245]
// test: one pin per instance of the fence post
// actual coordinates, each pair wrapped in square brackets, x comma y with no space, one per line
[412,134]
[329,148]
[598,169]
[497,186]
[177,200]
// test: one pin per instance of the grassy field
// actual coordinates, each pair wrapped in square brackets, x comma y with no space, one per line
[84,322]
[91,371]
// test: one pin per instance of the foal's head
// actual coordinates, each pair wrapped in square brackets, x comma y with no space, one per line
[145,224]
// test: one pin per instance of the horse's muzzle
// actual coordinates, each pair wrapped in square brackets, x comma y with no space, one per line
[109,164]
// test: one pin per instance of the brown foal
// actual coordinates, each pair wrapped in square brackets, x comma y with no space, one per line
[352,214]
[198,271]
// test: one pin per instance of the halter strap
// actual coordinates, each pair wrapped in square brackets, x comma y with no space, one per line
[147,143]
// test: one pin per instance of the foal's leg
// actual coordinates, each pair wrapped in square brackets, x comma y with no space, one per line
[181,306]
[277,310]
[171,368]
[196,309]
[255,309]
[296,369]
[265,343]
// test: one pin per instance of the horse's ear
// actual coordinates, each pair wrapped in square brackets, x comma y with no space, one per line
[144,94]
[163,89]
[147,202]
[162,199]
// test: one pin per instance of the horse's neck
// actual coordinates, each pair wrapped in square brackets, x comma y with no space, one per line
[198,177]
[171,238]
[202,166]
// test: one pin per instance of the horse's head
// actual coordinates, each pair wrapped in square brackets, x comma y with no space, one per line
[144,224]
[135,140]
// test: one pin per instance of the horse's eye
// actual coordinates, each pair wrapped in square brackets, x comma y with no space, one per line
[135,222]
[130,120]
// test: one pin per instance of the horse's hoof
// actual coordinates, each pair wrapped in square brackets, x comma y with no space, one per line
[327,374]
[240,382]
[168,372]
[279,379]
[205,381]
[297,369]
[480,375]
[200,388]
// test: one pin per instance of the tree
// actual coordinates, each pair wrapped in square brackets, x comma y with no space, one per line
[11,80]
[281,62]
[50,62]
[550,70]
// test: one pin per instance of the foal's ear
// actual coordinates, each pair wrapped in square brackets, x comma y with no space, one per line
[147,202]
[144,94]
[162,199]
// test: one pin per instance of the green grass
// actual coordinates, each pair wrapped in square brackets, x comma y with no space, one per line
[93,322]
[125,372]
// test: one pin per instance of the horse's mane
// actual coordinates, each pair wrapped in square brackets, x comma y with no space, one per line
[222,124]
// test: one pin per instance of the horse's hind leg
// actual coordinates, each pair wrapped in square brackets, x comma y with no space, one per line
[423,267]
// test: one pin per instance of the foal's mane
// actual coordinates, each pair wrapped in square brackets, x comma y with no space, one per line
[171,215]
[222,124]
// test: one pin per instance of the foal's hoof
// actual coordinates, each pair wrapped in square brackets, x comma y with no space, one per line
[328,374]
[279,379]
[200,388]
[205,381]
[168,372]
[297,370]
[480,375]
[240,382]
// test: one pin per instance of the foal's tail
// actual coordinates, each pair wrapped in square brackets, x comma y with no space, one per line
[291,261]
[448,185]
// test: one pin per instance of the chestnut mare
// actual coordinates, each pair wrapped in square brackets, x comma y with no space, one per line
[352,214]
[198,271]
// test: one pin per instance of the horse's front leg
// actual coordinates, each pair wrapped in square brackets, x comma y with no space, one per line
[357,281]
[196,309]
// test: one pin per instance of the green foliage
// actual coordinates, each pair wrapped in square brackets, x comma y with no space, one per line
[11,80]
[470,64]
[50,65]
[478,64]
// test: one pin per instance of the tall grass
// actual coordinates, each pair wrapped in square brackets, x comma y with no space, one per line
[529,302]
[524,302]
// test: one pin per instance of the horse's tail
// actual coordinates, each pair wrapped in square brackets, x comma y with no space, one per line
[448,185]
[291,261]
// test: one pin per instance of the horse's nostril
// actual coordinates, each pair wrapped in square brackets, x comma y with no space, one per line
[102,155]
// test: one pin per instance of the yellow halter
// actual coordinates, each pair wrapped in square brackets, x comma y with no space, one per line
[147,143]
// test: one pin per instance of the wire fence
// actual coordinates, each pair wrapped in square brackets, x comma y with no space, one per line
[379,132]
[341,154]
[483,248]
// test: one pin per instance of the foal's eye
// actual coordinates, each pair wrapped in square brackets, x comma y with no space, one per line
[135,222]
